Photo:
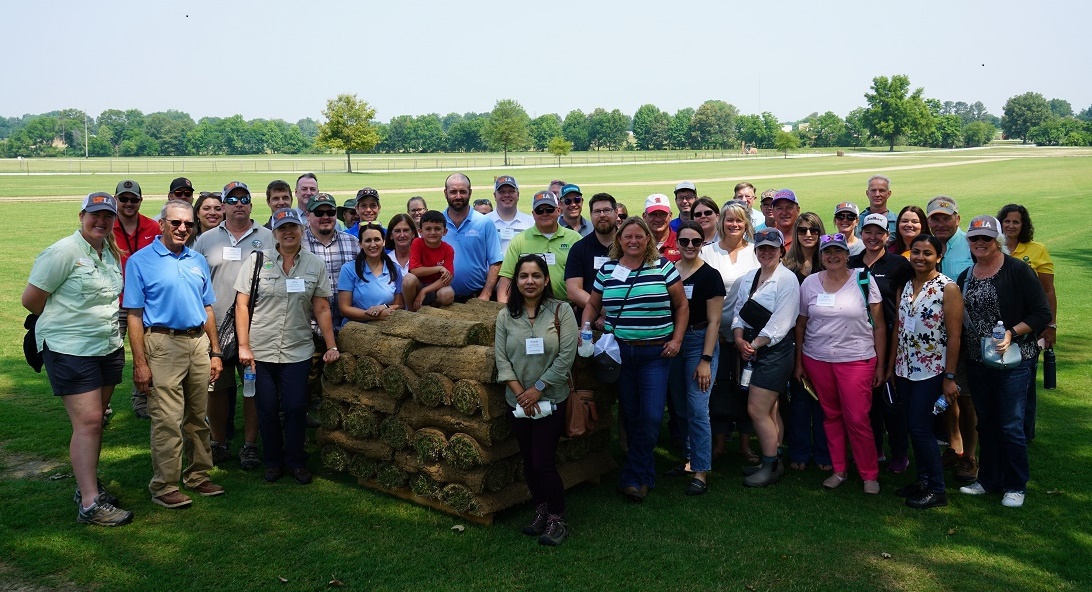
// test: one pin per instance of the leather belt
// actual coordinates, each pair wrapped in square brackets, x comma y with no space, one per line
[191,332]
[698,326]
[640,342]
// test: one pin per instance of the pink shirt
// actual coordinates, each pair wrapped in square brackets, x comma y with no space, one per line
[837,328]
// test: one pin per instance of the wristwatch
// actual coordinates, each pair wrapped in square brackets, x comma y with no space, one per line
[706,358]
[541,386]
[213,354]
[949,376]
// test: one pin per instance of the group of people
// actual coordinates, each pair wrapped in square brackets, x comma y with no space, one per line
[725,315]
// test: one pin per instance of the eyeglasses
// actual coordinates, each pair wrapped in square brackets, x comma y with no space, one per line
[544,210]
[235,200]
[689,242]
[326,213]
[130,199]
[704,213]
[980,238]
[602,212]
[572,200]
[418,210]
[845,216]
[182,223]
[182,192]
[808,230]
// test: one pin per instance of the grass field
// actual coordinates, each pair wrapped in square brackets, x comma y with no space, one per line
[793,536]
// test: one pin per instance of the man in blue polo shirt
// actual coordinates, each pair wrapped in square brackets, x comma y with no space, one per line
[475,241]
[172,331]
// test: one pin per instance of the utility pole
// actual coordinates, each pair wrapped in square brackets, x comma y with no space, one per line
[85,135]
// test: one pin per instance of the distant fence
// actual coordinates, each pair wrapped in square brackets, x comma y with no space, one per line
[361,163]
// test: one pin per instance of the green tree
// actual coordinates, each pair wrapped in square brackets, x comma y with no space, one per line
[680,135]
[543,129]
[650,127]
[508,127]
[577,130]
[465,135]
[1060,108]
[786,141]
[893,110]
[608,129]
[559,147]
[309,128]
[1024,112]
[828,130]
[348,127]
[1085,115]
[427,134]
[977,133]
[714,125]
[949,131]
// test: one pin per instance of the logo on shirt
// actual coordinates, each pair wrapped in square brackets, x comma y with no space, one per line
[197,271]
[257,244]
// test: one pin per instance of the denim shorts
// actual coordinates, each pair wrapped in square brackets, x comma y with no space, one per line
[74,375]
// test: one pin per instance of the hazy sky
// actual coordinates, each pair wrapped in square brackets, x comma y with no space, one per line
[284,59]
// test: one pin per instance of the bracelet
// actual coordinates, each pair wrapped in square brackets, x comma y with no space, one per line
[216,355]
[333,349]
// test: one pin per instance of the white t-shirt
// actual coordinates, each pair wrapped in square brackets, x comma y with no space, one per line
[510,228]
[730,271]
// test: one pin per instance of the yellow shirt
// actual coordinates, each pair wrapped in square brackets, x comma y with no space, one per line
[1036,256]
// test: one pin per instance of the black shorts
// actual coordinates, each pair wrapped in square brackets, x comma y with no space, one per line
[429,298]
[73,375]
[774,365]
[227,376]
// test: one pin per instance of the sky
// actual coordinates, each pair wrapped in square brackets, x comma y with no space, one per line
[285,59]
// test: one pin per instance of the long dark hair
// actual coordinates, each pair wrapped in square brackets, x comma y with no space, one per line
[1027,231]
[898,246]
[361,258]
[794,258]
[515,297]
[403,217]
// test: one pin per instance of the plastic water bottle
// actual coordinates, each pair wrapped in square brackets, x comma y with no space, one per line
[544,408]
[999,332]
[940,406]
[587,346]
[1050,369]
[745,375]
[248,382]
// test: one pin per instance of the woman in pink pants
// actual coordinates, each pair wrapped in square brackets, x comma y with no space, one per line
[840,347]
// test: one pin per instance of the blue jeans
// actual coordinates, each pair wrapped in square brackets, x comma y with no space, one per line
[642,393]
[918,397]
[692,403]
[277,388]
[807,439]
[1000,398]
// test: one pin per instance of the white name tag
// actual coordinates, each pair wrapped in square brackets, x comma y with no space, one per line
[535,346]
[620,272]
[507,233]
[233,254]
[598,262]
[689,291]
[909,324]
[550,258]
[826,300]
[294,286]
[84,262]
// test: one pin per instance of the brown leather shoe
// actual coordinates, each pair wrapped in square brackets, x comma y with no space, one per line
[174,499]
[208,489]
[301,475]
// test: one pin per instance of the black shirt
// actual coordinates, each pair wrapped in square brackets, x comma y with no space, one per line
[891,273]
[581,261]
[707,283]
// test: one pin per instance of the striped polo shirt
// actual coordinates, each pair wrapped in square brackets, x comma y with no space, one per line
[646,313]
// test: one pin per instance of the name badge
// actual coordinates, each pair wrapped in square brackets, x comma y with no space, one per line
[535,346]
[84,262]
[550,258]
[507,233]
[826,300]
[620,272]
[689,291]
[294,285]
[598,262]
[909,324]
[233,254]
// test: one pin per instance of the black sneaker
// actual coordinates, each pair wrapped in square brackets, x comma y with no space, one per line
[103,513]
[248,457]
[556,531]
[220,453]
[927,499]
[77,498]
[538,522]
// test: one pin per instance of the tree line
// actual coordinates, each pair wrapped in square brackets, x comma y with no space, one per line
[894,114]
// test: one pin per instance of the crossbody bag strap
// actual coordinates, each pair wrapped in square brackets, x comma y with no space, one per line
[754,284]
[626,298]
[863,281]
[258,258]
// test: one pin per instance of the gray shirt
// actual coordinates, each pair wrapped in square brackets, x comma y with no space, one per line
[218,246]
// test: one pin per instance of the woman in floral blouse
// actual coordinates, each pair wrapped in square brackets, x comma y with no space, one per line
[930,320]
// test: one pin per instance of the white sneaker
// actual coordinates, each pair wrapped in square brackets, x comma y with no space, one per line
[1013,499]
[976,489]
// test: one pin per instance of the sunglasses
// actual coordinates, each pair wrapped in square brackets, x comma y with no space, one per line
[845,216]
[981,238]
[130,199]
[826,238]
[623,216]
[572,200]
[704,213]
[808,230]
[182,223]
[183,192]
[235,200]
[767,235]
[542,211]
[689,242]
[327,213]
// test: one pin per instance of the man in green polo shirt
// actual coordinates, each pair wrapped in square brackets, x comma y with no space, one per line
[546,238]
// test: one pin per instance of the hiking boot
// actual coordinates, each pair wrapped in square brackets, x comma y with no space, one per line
[966,470]
[538,522]
[248,457]
[103,513]
[768,474]
[950,458]
[112,500]
[220,453]
[140,405]
[174,499]
[208,489]
[556,531]
[301,475]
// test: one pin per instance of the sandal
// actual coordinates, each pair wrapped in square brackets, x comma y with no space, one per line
[798,466]
[826,467]
[751,458]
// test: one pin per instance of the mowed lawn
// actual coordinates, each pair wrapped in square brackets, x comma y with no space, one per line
[792,536]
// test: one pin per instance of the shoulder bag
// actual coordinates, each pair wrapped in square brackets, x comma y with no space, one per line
[229,343]
[581,414]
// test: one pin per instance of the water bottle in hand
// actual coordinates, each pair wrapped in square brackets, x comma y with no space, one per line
[999,332]
[248,382]
[940,406]
[587,346]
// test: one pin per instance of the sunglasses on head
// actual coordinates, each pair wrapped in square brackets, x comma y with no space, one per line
[182,223]
[845,216]
[543,210]
[704,213]
[767,235]
[689,242]
[826,238]
[572,200]
[808,230]
[325,213]
[182,193]
[130,199]
[235,199]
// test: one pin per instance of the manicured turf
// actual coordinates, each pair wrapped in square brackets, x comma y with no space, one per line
[793,536]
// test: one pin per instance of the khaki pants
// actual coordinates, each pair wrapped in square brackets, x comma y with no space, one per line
[178,403]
